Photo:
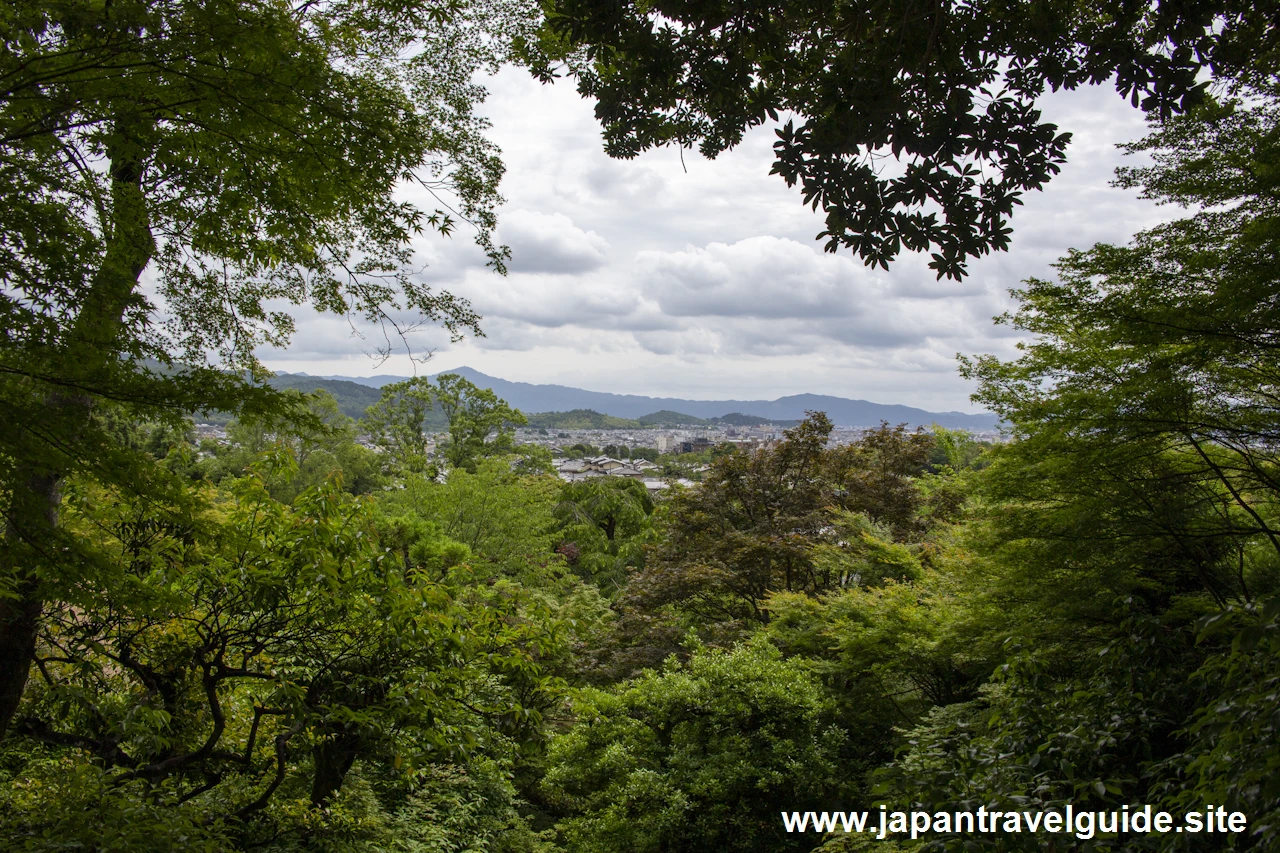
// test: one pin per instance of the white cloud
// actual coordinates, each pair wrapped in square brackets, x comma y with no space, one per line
[756,277]
[702,278]
[550,243]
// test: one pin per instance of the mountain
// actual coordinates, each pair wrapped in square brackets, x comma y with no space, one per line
[668,418]
[739,419]
[530,398]
[353,397]
[580,419]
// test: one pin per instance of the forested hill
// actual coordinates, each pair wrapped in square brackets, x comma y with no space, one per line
[530,398]
[581,419]
[353,398]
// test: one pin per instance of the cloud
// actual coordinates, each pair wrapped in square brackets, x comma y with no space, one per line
[550,243]
[702,278]
[756,277]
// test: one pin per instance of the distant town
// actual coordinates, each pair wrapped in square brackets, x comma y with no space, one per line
[656,456]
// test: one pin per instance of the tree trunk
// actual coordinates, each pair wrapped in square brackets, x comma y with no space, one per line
[333,758]
[32,517]
[91,344]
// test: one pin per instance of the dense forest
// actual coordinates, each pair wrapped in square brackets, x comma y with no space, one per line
[294,641]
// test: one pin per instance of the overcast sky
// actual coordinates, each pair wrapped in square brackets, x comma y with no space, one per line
[641,277]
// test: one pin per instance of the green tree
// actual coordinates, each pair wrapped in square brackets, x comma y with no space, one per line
[647,453]
[322,442]
[748,529]
[948,91]
[607,522]
[399,423]
[888,652]
[480,423]
[700,756]
[244,154]
[881,469]
[1142,479]
[1143,407]
[238,658]
[1106,733]
[504,518]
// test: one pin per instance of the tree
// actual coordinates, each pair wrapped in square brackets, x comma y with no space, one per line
[881,469]
[503,518]
[647,453]
[1144,407]
[1038,738]
[236,659]
[241,154]
[398,423]
[606,520]
[749,528]
[912,125]
[323,443]
[701,756]
[888,652]
[1142,478]
[480,423]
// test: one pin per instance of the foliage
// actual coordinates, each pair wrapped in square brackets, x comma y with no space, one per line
[701,756]
[749,529]
[947,91]
[1111,730]
[1233,759]
[504,519]
[786,518]
[244,156]
[607,521]
[233,650]
[234,658]
[455,809]
[581,419]
[1143,409]
[956,449]
[880,473]
[1142,470]
[398,422]
[480,424]
[322,444]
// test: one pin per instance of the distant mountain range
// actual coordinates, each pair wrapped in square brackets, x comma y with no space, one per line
[531,399]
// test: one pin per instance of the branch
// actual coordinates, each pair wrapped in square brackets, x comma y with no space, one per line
[282,743]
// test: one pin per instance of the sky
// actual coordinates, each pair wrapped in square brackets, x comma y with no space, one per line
[702,278]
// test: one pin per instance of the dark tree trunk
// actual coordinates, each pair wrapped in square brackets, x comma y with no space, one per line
[32,517]
[333,758]
[31,524]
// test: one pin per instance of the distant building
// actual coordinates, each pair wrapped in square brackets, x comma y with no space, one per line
[696,445]
[666,443]
[603,463]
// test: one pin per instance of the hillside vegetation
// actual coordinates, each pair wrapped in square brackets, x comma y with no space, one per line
[299,641]
[581,419]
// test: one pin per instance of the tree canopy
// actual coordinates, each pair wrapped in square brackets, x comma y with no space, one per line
[276,639]
[172,172]
[911,125]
